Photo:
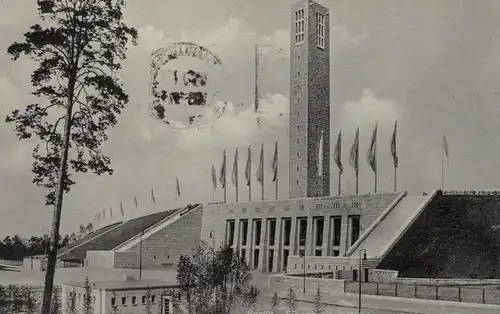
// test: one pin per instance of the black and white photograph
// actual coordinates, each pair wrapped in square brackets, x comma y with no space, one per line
[249,156]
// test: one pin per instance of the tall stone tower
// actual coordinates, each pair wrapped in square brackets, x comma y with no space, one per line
[309,100]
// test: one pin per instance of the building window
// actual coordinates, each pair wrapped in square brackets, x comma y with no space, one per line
[301,207]
[113,301]
[302,232]
[153,299]
[317,253]
[272,231]
[285,259]
[258,227]
[355,228]
[298,155]
[287,228]
[336,252]
[298,127]
[319,206]
[134,300]
[297,182]
[287,208]
[244,229]
[270,261]
[297,168]
[124,301]
[230,232]
[297,141]
[337,225]
[167,306]
[243,254]
[298,73]
[256,258]
[320,30]
[299,26]
[143,299]
[320,222]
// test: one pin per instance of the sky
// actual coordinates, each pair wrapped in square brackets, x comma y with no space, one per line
[432,66]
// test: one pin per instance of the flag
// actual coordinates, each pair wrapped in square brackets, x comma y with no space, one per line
[338,152]
[354,156]
[274,163]
[393,145]
[135,201]
[178,186]
[223,171]
[111,212]
[319,150]
[260,170]
[372,152]
[153,198]
[248,168]
[214,178]
[445,148]
[121,209]
[234,176]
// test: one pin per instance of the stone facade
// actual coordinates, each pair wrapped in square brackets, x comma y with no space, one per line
[217,218]
[309,100]
[281,284]
[164,248]
[126,300]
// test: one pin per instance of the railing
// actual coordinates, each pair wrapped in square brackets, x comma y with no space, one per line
[480,294]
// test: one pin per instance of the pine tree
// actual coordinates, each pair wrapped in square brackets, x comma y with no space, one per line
[71,303]
[275,301]
[88,307]
[148,309]
[291,300]
[319,306]
[78,46]
[56,307]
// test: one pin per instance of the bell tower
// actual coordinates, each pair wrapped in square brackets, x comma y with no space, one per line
[309,101]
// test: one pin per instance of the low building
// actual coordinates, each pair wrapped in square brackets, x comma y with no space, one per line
[125,296]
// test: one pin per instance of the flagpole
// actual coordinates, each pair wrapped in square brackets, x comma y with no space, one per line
[263,171]
[357,181]
[340,180]
[395,189]
[277,170]
[250,176]
[237,184]
[225,176]
[442,167]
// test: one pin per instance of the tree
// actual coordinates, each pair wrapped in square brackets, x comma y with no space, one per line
[319,306]
[88,307]
[275,301]
[291,300]
[71,302]
[214,282]
[56,307]
[149,304]
[78,50]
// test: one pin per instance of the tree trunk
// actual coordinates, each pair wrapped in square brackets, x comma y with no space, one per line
[56,219]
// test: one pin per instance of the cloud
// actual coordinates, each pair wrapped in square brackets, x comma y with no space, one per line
[368,110]
[340,37]
[237,127]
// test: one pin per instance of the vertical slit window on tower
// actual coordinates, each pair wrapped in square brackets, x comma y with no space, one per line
[299,26]
[320,30]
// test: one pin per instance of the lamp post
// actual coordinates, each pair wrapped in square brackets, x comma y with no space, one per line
[303,255]
[360,268]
